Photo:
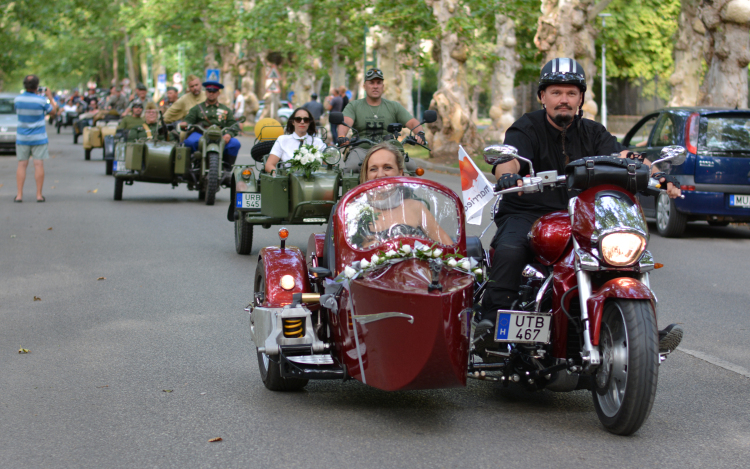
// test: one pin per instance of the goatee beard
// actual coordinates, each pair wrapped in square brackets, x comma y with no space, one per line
[562,120]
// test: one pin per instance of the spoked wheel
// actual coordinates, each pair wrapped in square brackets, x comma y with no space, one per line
[118,188]
[243,236]
[625,383]
[669,222]
[270,371]
[212,180]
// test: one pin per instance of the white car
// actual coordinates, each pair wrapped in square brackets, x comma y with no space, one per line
[8,122]
[285,110]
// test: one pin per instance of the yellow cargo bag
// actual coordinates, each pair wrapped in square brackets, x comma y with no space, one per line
[92,138]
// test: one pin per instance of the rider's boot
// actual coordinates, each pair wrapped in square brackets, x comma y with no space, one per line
[483,333]
[670,338]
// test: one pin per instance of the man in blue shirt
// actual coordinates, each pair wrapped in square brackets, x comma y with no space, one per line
[31,136]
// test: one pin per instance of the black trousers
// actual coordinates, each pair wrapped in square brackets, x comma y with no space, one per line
[512,253]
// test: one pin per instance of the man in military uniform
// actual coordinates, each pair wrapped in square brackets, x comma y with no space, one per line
[182,106]
[116,101]
[171,98]
[139,98]
[211,112]
[370,117]
[149,128]
[129,122]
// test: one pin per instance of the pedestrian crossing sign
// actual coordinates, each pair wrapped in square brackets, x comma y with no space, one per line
[213,74]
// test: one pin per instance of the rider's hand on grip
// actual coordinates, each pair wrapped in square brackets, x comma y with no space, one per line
[343,141]
[507,181]
[674,190]
[421,139]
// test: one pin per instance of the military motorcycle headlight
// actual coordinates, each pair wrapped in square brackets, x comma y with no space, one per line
[622,249]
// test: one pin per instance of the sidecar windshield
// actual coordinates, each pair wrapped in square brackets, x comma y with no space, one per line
[399,210]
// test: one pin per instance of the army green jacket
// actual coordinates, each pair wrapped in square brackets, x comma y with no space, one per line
[140,132]
[217,114]
[129,122]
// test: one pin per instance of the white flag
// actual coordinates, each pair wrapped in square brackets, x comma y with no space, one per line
[475,188]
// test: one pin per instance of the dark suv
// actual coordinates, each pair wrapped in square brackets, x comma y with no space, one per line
[715,178]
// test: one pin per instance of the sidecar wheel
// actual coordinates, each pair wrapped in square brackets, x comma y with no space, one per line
[243,236]
[75,136]
[118,188]
[270,371]
[212,180]
[669,222]
[625,383]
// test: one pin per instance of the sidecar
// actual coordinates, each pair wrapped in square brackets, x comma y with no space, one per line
[398,320]
[93,136]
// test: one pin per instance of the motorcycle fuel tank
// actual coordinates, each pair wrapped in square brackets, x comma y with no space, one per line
[550,236]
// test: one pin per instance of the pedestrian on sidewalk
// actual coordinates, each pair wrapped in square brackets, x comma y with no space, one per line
[31,136]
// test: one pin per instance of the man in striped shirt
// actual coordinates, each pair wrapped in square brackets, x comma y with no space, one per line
[31,136]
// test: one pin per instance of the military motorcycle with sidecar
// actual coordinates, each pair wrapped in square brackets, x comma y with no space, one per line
[289,197]
[395,306]
[169,162]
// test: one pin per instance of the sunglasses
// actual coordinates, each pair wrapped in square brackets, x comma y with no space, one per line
[373,73]
[306,120]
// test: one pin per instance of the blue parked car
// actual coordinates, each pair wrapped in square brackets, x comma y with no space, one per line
[715,178]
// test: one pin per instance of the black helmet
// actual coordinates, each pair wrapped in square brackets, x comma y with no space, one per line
[562,72]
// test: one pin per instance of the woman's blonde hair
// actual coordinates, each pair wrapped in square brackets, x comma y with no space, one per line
[381,146]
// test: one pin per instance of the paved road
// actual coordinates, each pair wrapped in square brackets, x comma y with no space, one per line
[143,368]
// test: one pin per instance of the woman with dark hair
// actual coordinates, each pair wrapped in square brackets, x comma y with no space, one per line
[300,130]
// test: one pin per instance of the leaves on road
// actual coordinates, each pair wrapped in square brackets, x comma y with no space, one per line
[1,185]
[49,229]
[94,191]
[12,236]
[214,440]
[105,386]
[36,298]
[102,278]
[166,390]
[23,350]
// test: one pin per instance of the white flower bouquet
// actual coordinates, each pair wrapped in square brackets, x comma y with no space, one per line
[306,159]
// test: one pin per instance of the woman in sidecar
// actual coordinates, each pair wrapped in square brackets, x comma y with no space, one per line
[397,290]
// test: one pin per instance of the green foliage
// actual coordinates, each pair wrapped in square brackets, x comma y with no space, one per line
[639,37]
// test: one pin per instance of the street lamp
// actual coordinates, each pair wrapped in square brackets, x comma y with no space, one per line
[604,69]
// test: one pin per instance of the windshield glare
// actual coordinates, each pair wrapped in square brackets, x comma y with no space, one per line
[394,211]
[726,135]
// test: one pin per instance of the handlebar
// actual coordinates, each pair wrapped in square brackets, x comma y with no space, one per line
[550,179]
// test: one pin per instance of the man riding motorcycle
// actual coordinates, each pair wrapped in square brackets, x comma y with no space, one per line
[189,100]
[140,97]
[130,122]
[150,127]
[211,112]
[551,138]
[370,117]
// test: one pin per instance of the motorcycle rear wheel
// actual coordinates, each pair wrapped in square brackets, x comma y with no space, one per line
[625,383]
[270,371]
[212,179]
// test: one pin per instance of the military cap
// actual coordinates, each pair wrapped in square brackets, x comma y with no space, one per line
[171,88]
[137,104]
[141,86]
[150,105]
[213,84]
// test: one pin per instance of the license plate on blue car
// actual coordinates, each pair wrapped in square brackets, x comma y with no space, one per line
[739,201]
[521,327]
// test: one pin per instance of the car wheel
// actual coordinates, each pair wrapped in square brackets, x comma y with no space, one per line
[669,222]
[270,370]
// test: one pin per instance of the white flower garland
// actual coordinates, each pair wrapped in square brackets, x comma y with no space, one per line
[421,251]
[307,159]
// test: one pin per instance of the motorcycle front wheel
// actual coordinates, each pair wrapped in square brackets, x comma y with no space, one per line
[625,383]
[212,179]
[270,370]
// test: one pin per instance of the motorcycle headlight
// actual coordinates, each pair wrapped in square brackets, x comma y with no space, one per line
[622,249]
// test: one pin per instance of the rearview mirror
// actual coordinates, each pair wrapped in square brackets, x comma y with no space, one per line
[675,154]
[429,116]
[499,154]
[336,118]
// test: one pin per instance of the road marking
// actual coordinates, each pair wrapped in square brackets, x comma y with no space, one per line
[717,361]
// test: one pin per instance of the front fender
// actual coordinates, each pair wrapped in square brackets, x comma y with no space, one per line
[278,262]
[622,287]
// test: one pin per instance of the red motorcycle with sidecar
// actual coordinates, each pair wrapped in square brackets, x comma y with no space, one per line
[393,306]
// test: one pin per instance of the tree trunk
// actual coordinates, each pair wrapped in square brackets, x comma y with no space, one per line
[143,54]
[229,54]
[503,78]
[391,60]
[454,126]
[566,29]
[131,64]
[115,64]
[306,63]
[727,52]
[688,56]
